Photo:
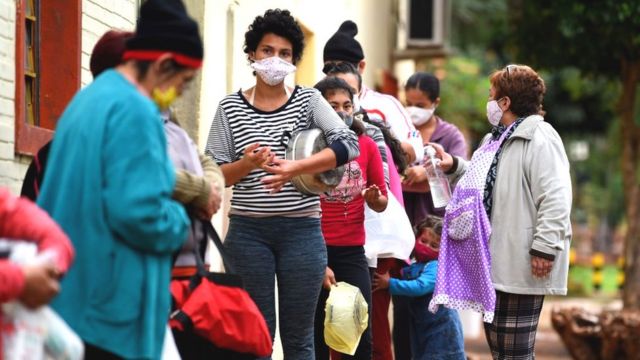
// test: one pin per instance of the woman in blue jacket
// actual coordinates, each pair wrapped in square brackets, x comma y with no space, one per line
[109,184]
[433,336]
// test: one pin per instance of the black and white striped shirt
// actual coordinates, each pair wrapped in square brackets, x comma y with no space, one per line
[237,124]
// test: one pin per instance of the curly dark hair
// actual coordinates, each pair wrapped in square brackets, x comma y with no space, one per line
[523,86]
[279,22]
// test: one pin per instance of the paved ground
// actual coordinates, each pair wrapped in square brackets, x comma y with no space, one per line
[549,346]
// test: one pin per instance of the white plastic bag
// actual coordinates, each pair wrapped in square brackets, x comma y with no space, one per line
[30,334]
[23,333]
[40,333]
[346,318]
[389,234]
[169,348]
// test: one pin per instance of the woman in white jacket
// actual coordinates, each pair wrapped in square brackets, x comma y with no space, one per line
[507,228]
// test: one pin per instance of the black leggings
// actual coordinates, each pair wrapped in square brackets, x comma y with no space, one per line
[92,352]
[349,265]
[401,327]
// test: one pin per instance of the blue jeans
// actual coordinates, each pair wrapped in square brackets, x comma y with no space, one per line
[292,249]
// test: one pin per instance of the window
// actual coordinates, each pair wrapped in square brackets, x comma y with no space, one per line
[48,42]
[425,22]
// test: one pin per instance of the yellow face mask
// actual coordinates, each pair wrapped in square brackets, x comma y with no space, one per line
[164,98]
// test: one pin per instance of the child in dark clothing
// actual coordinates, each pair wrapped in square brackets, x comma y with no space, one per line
[433,336]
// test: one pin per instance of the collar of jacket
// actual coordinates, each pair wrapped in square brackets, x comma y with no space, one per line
[527,127]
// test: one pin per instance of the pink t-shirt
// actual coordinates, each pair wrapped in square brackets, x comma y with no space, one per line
[343,208]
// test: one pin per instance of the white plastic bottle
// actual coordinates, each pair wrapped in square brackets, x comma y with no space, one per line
[438,182]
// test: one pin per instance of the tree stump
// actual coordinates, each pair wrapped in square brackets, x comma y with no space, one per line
[580,331]
[620,335]
[611,335]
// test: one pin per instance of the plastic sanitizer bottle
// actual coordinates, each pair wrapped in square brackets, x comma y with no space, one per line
[438,182]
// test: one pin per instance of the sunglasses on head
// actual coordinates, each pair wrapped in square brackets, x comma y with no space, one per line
[510,69]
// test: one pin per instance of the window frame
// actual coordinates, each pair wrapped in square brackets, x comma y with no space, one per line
[58,70]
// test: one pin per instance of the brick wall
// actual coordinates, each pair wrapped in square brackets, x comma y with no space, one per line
[98,16]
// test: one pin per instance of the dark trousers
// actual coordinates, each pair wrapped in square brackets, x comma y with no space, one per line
[193,347]
[401,327]
[349,265]
[292,249]
[92,352]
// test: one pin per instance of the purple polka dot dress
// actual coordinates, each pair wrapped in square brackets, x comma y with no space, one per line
[464,271]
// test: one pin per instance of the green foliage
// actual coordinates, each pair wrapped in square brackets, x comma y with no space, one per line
[464,89]
[576,104]
[478,25]
[597,180]
[592,37]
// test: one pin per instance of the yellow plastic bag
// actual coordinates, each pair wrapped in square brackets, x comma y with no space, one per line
[346,318]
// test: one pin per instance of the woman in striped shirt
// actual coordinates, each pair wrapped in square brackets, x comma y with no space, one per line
[274,230]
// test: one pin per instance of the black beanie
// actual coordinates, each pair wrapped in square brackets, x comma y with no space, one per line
[342,46]
[164,26]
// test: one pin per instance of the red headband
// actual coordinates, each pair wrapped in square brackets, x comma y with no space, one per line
[152,55]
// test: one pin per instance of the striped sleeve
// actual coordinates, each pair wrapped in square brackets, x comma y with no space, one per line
[323,117]
[220,145]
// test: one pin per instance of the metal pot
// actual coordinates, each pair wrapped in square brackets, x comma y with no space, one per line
[302,145]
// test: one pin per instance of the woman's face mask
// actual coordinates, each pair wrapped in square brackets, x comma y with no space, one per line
[164,98]
[273,70]
[348,119]
[420,116]
[494,112]
[423,253]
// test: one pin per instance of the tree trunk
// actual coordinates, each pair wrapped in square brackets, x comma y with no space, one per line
[631,181]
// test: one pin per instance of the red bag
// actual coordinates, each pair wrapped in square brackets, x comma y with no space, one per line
[216,307]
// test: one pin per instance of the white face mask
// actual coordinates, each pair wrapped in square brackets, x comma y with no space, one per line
[273,70]
[494,112]
[419,115]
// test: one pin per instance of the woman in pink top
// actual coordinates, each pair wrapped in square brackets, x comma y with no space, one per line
[32,285]
[343,215]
